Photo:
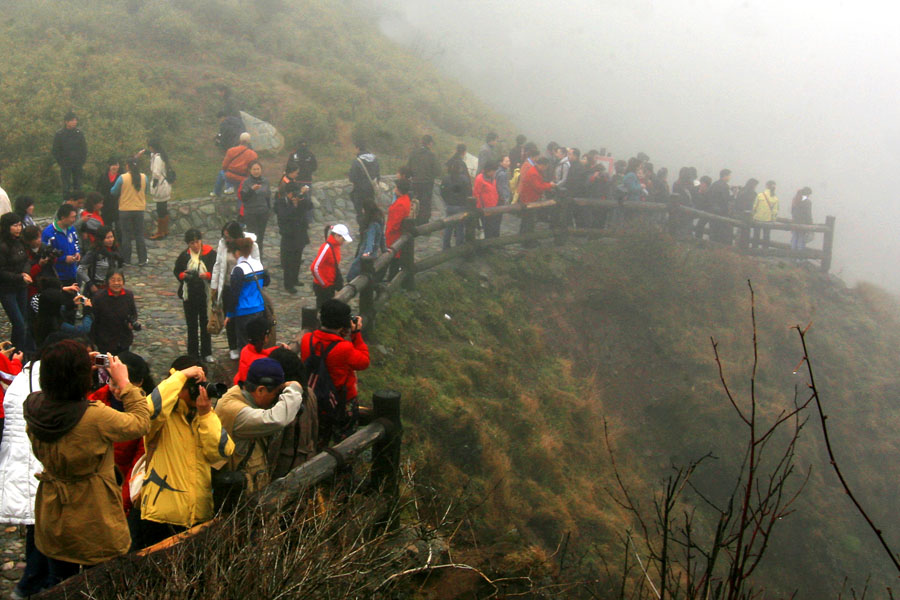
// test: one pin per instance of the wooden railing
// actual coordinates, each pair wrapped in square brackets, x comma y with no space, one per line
[672,217]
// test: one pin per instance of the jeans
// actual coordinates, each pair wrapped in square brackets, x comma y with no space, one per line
[15,303]
[256,223]
[78,330]
[798,242]
[457,230]
[71,179]
[424,192]
[132,224]
[196,317]
[34,578]
[240,328]
[219,187]
[492,226]
[761,237]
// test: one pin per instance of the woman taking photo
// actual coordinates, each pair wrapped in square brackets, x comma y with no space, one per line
[78,507]
[14,279]
[160,188]
[245,301]
[254,195]
[115,315]
[193,269]
[131,188]
[101,259]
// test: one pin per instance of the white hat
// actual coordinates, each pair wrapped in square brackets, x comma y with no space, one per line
[342,231]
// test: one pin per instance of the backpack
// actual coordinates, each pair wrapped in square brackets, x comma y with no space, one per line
[171,176]
[329,398]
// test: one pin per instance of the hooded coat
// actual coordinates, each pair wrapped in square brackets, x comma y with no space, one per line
[78,508]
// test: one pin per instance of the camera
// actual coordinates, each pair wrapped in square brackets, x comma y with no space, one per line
[213,390]
[101,360]
[50,252]
[135,324]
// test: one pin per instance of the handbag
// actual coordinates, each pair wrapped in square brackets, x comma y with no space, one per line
[228,486]
[215,316]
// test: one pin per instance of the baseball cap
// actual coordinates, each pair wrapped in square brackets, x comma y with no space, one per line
[341,230]
[265,371]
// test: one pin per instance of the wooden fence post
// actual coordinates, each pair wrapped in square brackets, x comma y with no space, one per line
[828,243]
[385,473]
[408,255]
[367,294]
[744,237]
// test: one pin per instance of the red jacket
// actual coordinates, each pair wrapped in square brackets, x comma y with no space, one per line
[532,186]
[485,192]
[236,163]
[344,360]
[325,265]
[397,212]
[9,368]
[125,454]
[248,355]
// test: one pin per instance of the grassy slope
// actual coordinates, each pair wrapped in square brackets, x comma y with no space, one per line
[509,394]
[313,68]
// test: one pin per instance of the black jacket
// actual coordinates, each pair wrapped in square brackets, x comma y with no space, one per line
[424,165]
[69,147]
[112,314]
[51,302]
[304,160]
[576,182]
[456,187]
[292,220]
[13,262]
[196,286]
[719,198]
[255,201]
[358,177]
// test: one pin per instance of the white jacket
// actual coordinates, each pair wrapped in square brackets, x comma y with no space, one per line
[160,188]
[18,465]
[220,274]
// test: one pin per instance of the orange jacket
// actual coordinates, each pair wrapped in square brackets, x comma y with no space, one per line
[236,163]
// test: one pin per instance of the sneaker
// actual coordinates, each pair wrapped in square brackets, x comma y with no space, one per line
[290,290]
[213,195]
[229,190]
[234,354]
[144,263]
[209,358]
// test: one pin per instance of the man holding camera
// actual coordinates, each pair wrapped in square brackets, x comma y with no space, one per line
[186,438]
[340,344]
[252,412]
[61,235]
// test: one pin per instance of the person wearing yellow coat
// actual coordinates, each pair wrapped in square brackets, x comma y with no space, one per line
[185,441]
[765,210]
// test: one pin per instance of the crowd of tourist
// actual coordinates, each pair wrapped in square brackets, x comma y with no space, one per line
[123,462]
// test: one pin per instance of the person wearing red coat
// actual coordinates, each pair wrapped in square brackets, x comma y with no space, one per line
[326,266]
[348,354]
[531,187]
[486,196]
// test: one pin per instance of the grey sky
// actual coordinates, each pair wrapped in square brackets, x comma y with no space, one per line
[800,92]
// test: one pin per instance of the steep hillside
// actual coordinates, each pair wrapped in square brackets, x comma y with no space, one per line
[509,368]
[315,69]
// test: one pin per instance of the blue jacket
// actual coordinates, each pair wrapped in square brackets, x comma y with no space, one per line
[245,297]
[67,243]
[632,187]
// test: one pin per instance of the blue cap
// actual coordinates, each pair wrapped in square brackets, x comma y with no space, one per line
[265,371]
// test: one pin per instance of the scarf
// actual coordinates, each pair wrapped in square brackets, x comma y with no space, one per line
[194,265]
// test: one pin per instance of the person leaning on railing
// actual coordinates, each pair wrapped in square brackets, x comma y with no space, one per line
[765,210]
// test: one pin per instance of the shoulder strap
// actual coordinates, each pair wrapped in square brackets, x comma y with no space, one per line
[233,158]
[366,171]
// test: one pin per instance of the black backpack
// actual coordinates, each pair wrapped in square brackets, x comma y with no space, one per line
[329,398]
[170,174]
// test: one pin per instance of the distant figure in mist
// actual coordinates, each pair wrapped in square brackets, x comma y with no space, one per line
[765,210]
[230,129]
[70,153]
[720,201]
[456,188]
[424,169]
[517,154]
[801,212]
[743,204]
[488,151]
[304,162]
[365,174]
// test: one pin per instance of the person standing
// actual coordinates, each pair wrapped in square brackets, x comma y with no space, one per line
[61,235]
[115,315]
[502,179]
[365,173]
[14,280]
[193,269]
[220,285]
[25,209]
[532,186]
[456,188]
[255,195]
[765,210]
[801,212]
[340,344]
[292,207]
[70,153]
[245,300]
[371,236]
[131,187]
[160,187]
[517,154]
[326,266]
[78,512]
[104,185]
[304,162]
[424,167]
[487,151]
[486,196]
[98,262]
[5,204]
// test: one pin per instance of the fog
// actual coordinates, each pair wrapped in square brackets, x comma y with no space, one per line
[802,92]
